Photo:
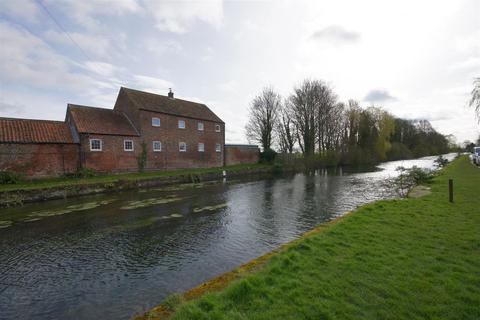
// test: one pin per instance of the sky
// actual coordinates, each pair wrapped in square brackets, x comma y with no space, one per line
[416,59]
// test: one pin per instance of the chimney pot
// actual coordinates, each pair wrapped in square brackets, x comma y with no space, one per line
[170,93]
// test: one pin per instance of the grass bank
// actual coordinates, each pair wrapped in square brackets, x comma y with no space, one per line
[112,178]
[400,259]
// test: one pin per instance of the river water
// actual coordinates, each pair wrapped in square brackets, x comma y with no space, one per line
[117,255]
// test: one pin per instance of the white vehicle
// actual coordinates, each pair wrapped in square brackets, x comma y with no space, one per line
[476,156]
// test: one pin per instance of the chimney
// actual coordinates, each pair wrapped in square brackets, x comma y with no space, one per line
[170,93]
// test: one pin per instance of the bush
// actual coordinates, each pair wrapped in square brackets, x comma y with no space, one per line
[9,177]
[408,178]
[267,156]
[441,161]
[82,173]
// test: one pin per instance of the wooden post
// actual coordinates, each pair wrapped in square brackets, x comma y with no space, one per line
[450,190]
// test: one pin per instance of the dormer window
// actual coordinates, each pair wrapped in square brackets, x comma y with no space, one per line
[217,128]
[181,124]
[200,126]
[155,122]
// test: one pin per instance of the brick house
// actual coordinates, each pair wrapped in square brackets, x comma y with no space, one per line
[172,133]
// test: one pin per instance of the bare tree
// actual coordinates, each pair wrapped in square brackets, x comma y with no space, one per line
[285,128]
[326,115]
[303,103]
[475,100]
[263,118]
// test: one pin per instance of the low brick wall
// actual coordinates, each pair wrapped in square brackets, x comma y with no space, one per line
[241,154]
[39,159]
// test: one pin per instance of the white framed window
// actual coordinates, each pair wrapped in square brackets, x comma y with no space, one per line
[218,147]
[201,147]
[157,146]
[181,124]
[200,126]
[96,145]
[127,145]
[155,122]
[182,147]
[217,128]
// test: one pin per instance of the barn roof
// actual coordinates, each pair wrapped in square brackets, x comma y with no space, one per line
[174,106]
[34,131]
[101,121]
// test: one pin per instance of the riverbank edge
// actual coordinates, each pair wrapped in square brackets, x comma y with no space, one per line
[163,311]
[18,197]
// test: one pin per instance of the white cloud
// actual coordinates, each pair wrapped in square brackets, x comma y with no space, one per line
[86,13]
[26,59]
[336,34]
[152,84]
[89,43]
[180,16]
[26,10]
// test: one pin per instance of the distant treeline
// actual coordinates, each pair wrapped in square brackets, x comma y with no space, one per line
[314,125]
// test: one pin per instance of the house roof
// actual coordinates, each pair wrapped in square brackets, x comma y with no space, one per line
[174,106]
[34,131]
[101,121]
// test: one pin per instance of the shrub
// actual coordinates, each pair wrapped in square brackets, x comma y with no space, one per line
[9,177]
[441,161]
[408,178]
[267,156]
[142,158]
[82,173]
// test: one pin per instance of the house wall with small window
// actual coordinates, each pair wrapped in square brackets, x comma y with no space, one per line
[116,153]
[173,132]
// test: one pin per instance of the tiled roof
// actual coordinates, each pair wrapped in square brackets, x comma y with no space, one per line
[101,121]
[34,131]
[158,103]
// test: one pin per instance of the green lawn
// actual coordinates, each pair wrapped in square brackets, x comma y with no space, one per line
[63,182]
[399,259]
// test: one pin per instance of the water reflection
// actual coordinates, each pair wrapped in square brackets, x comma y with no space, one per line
[106,262]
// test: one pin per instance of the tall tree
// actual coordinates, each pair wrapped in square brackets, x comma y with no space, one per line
[475,100]
[285,128]
[304,104]
[263,117]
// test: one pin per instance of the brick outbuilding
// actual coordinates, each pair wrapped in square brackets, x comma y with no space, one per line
[37,148]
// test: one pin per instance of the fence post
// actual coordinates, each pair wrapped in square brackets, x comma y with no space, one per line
[450,190]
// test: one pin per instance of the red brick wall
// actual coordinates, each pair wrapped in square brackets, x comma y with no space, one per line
[241,155]
[39,160]
[170,135]
[112,158]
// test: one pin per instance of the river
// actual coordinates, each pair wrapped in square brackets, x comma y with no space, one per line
[117,255]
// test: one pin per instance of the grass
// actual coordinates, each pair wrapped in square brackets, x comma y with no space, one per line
[65,182]
[398,259]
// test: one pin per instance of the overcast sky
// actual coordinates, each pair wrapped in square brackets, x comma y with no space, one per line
[417,59]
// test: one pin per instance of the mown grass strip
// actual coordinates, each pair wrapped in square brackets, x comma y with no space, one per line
[399,259]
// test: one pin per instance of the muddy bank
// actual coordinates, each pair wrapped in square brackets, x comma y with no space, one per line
[19,197]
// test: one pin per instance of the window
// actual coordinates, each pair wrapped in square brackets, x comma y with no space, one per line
[127,145]
[95,145]
[155,122]
[218,147]
[181,124]
[182,147]
[200,126]
[157,146]
[201,147]
[217,128]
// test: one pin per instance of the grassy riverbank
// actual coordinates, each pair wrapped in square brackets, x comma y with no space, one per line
[112,178]
[400,259]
